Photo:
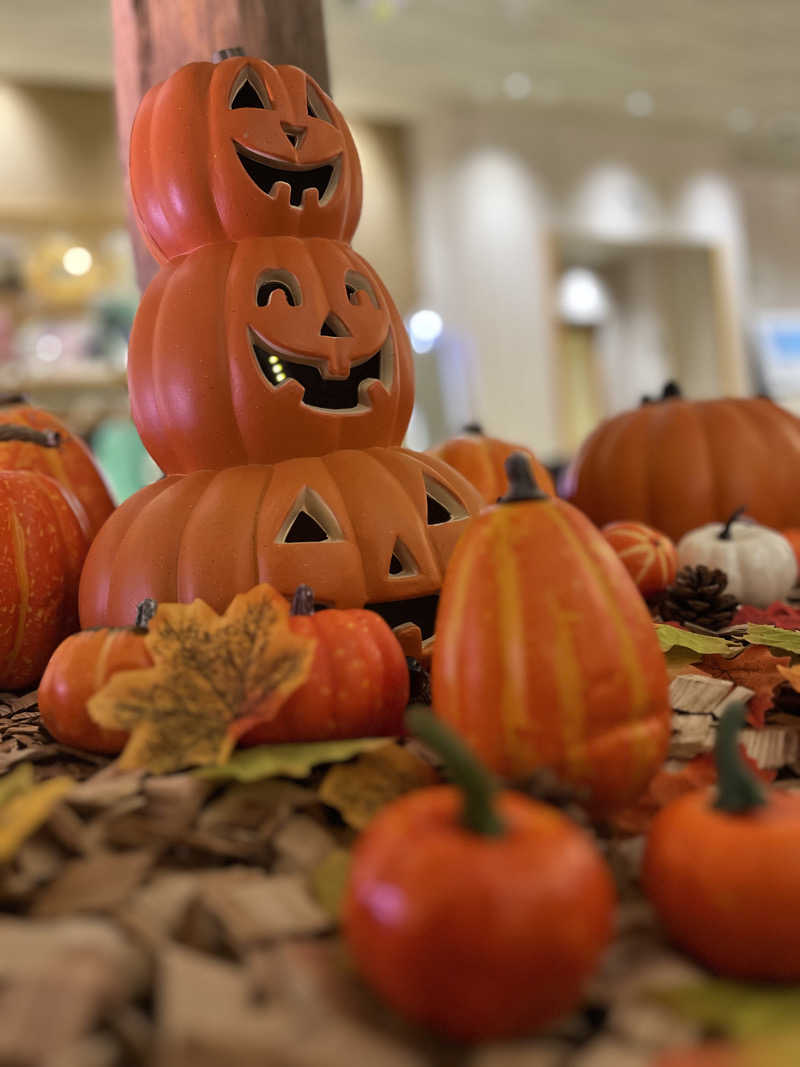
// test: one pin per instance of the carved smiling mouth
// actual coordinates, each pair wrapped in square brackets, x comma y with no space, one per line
[267,175]
[330,394]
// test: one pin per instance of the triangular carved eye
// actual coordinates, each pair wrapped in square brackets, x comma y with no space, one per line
[402,564]
[249,92]
[309,519]
[443,506]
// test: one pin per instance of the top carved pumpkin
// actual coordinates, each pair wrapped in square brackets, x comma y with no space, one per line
[239,149]
[678,464]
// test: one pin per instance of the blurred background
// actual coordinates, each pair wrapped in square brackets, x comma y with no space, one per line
[571,201]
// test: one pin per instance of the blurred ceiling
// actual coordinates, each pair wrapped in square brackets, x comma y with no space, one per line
[731,63]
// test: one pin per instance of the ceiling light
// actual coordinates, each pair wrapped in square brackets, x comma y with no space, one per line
[740,120]
[77,260]
[424,328]
[517,85]
[582,298]
[639,103]
[48,347]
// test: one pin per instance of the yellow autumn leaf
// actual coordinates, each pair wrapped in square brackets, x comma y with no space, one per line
[25,806]
[214,677]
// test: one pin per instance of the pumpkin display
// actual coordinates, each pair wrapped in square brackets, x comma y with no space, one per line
[42,547]
[792,535]
[69,461]
[677,464]
[267,350]
[238,149]
[545,654]
[358,684]
[759,563]
[477,914]
[371,528]
[709,864]
[648,555]
[481,458]
[79,667]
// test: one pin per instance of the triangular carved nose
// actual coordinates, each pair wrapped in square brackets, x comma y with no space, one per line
[334,327]
[294,134]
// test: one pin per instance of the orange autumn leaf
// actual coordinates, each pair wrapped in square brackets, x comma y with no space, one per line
[214,677]
[757,669]
[791,675]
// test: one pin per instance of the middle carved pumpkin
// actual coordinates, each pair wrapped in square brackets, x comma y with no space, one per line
[265,350]
[371,528]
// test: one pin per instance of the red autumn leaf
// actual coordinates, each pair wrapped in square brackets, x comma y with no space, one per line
[777,614]
[757,669]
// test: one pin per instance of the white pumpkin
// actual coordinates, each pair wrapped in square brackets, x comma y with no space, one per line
[760,563]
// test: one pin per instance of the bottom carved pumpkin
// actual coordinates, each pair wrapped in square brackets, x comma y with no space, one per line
[371,528]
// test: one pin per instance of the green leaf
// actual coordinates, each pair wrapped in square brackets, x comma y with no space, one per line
[738,1009]
[672,637]
[677,658]
[329,881]
[289,761]
[773,637]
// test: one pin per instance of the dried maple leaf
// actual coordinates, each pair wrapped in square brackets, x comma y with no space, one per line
[757,669]
[792,676]
[214,677]
[777,614]
[25,806]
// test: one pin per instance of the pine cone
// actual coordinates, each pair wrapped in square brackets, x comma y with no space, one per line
[697,596]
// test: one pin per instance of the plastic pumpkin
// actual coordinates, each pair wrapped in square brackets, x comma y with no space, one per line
[478,914]
[266,350]
[237,149]
[648,555]
[545,654]
[372,528]
[481,459]
[677,464]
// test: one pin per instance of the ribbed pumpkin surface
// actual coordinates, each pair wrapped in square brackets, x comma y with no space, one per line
[480,459]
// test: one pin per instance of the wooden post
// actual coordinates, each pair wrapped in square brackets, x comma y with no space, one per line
[152,38]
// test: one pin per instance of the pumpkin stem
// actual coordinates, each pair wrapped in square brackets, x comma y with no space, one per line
[145,612]
[303,600]
[725,532]
[226,53]
[11,431]
[477,786]
[473,427]
[8,400]
[671,389]
[738,791]
[521,482]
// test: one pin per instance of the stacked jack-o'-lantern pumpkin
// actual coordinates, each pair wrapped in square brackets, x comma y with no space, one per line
[270,374]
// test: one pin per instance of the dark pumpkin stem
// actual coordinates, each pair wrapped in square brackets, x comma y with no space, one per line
[303,600]
[10,400]
[226,53]
[145,612]
[473,427]
[477,786]
[521,482]
[671,389]
[11,431]
[725,532]
[738,791]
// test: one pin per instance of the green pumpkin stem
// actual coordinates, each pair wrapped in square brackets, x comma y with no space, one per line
[303,600]
[521,482]
[477,786]
[738,791]
[144,613]
[725,532]
[11,431]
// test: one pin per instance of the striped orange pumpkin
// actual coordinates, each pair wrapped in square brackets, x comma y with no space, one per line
[649,556]
[480,459]
[545,654]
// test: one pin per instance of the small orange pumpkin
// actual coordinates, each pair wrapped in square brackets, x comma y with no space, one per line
[545,653]
[479,915]
[358,684]
[266,350]
[237,149]
[649,556]
[480,459]
[69,461]
[708,866]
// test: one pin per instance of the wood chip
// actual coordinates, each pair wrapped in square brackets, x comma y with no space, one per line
[691,734]
[302,843]
[99,883]
[697,693]
[772,746]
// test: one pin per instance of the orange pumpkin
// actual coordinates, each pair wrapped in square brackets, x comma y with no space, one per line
[649,556]
[709,865]
[42,548]
[678,464]
[267,350]
[373,528]
[70,462]
[481,458]
[545,653]
[238,149]
[480,915]
[358,684]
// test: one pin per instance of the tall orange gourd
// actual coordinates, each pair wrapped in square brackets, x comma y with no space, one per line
[545,653]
